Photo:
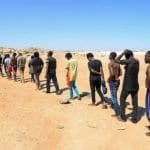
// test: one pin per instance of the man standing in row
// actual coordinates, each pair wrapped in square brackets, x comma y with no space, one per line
[147,85]
[21,62]
[1,72]
[72,68]
[96,78]
[14,66]
[37,64]
[114,82]
[130,84]
[51,65]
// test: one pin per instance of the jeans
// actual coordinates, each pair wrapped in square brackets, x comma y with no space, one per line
[54,79]
[123,97]
[96,84]
[72,88]
[114,85]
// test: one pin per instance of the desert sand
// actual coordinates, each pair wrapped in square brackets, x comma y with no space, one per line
[34,120]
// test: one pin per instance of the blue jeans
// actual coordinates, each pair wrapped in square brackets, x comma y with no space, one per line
[114,85]
[74,88]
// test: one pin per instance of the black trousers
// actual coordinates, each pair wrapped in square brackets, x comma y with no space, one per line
[96,85]
[54,79]
[123,97]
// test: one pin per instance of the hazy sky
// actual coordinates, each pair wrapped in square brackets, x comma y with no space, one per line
[75,24]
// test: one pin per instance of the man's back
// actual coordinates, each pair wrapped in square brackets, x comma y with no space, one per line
[37,64]
[14,61]
[131,75]
[21,61]
[72,66]
[7,61]
[115,71]
[36,61]
[95,65]
[51,62]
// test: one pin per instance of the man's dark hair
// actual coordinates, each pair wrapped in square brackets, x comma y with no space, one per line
[113,55]
[128,54]
[32,57]
[14,54]
[50,53]
[89,55]
[68,55]
[36,54]
[148,53]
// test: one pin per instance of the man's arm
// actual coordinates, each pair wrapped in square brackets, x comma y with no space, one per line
[46,71]
[120,56]
[67,67]
[102,73]
[148,78]
[119,61]
[42,63]
[110,69]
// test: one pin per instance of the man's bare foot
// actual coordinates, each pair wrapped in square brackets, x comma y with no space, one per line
[104,106]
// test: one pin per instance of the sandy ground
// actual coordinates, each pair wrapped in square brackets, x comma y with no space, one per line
[34,120]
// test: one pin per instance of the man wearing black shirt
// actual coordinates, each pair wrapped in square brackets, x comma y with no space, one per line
[37,64]
[51,65]
[130,83]
[96,73]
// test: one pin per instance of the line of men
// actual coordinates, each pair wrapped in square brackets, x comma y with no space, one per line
[96,78]
[11,64]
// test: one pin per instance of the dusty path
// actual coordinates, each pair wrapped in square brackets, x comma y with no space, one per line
[30,120]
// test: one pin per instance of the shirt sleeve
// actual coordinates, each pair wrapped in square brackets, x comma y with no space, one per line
[123,62]
[89,66]
[100,64]
[42,62]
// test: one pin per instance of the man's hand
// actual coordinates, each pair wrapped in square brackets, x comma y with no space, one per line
[103,82]
[92,70]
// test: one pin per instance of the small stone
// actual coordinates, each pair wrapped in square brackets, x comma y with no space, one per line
[90,125]
[121,128]
[60,127]
[64,101]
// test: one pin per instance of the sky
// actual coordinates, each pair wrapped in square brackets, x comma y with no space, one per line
[75,24]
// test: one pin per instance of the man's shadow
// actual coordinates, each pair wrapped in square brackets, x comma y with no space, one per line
[83,94]
[26,80]
[107,100]
[43,86]
[141,113]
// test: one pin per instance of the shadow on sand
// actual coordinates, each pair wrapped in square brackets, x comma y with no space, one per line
[141,113]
